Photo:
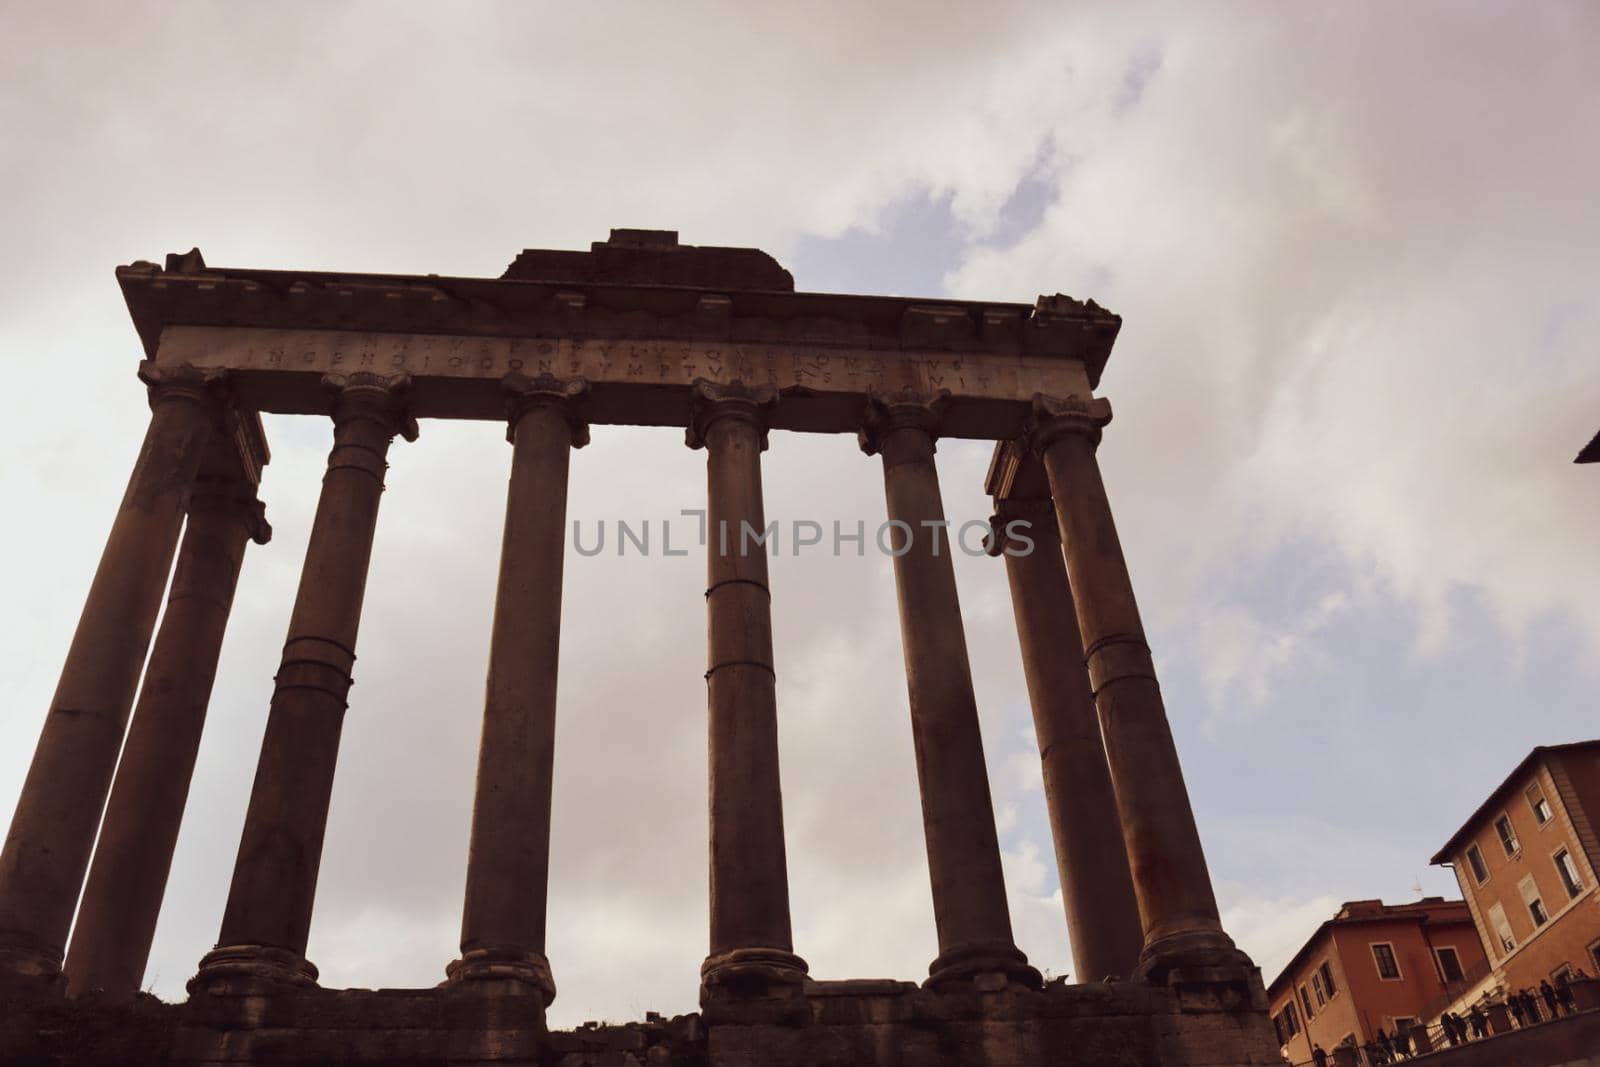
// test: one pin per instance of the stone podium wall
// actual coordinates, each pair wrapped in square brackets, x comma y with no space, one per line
[832,1024]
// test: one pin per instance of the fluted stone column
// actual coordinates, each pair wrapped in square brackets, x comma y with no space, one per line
[1096,886]
[752,949]
[122,900]
[268,915]
[508,864]
[1176,902]
[969,893]
[53,829]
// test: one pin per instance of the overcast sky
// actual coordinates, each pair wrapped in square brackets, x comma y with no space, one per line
[1356,252]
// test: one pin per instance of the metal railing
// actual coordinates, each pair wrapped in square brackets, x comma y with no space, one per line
[1403,1048]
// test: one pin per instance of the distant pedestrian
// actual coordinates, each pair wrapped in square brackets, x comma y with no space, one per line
[1385,1046]
[1564,993]
[1451,1034]
[1480,1022]
[1551,1001]
[1530,1007]
[1514,1006]
[1319,1057]
[1461,1027]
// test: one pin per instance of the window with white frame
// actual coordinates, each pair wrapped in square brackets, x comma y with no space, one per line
[1388,966]
[1567,867]
[1530,896]
[1449,963]
[1502,928]
[1316,988]
[1537,802]
[1480,870]
[1508,836]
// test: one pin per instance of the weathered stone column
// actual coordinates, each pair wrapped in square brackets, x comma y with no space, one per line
[53,829]
[1176,902]
[508,864]
[1096,887]
[969,893]
[268,915]
[122,899]
[752,948]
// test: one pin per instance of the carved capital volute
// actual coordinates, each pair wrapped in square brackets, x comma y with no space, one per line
[1055,416]
[380,398]
[1038,513]
[524,394]
[184,381]
[235,499]
[710,401]
[900,410]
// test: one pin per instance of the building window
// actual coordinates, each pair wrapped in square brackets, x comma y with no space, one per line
[1480,870]
[1508,836]
[1388,966]
[1291,1020]
[1449,963]
[1540,806]
[1568,870]
[1326,971]
[1502,929]
[1403,1023]
[1594,955]
[1316,987]
[1305,1002]
[1530,897]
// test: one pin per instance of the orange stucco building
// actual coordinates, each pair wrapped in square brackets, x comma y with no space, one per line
[1526,861]
[1374,965]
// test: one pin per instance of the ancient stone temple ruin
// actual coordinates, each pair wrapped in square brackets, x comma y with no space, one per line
[639,330]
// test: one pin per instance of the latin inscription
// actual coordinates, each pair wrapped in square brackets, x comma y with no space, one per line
[653,363]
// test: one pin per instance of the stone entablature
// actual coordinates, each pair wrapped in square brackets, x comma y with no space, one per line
[456,337]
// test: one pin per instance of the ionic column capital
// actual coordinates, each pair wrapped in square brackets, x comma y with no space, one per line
[235,499]
[184,381]
[710,401]
[524,394]
[1053,417]
[1037,512]
[378,398]
[900,410]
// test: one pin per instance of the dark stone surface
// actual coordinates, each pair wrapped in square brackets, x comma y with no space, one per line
[832,1024]
[653,257]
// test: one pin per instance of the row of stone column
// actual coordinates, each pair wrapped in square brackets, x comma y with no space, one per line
[1133,875]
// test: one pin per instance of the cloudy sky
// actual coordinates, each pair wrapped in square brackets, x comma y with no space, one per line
[1356,253]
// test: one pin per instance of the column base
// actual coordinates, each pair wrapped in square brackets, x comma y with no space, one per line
[995,964]
[1188,955]
[504,967]
[31,973]
[246,969]
[752,972]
